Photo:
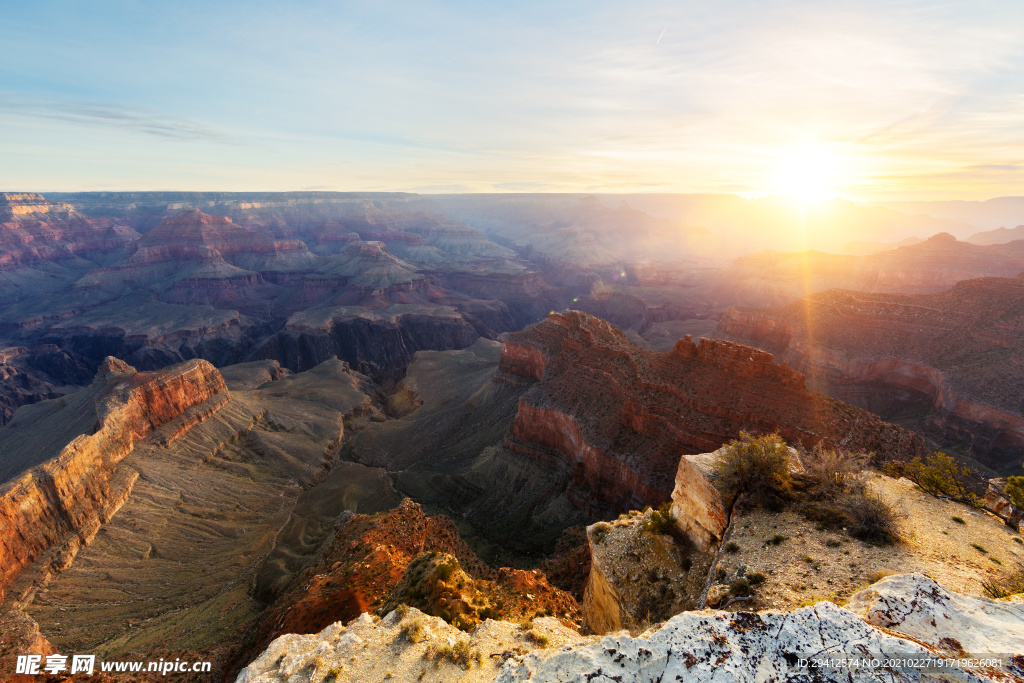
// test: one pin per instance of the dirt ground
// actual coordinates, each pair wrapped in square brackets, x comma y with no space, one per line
[810,565]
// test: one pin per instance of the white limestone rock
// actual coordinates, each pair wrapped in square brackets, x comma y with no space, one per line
[744,647]
[917,606]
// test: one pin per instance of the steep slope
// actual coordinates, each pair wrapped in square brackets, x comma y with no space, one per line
[32,374]
[950,361]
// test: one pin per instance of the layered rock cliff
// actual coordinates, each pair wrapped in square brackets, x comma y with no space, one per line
[953,356]
[616,418]
[58,505]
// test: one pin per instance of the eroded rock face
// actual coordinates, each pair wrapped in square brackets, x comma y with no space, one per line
[697,507]
[956,354]
[617,418]
[62,502]
[640,574]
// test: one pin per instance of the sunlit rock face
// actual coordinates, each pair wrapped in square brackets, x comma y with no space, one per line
[617,418]
[954,355]
[66,491]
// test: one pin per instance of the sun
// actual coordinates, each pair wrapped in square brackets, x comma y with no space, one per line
[806,173]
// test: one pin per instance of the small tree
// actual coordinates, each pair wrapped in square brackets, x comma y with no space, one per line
[757,467]
[940,474]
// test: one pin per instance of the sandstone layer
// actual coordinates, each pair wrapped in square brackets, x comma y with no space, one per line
[62,501]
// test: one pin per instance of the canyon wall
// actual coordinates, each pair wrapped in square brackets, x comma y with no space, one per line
[615,418]
[59,505]
[953,356]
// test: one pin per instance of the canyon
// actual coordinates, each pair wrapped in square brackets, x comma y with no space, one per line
[233,421]
[948,360]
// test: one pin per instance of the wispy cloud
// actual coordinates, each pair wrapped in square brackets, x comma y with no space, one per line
[119,117]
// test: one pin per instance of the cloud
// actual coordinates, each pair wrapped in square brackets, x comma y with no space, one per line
[113,116]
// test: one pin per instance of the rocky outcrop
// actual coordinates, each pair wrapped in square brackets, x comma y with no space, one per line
[747,647]
[811,643]
[697,507]
[641,572]
[616,418]
[59,505]
[917,606]
[377,562]
[956,354]
[404,646]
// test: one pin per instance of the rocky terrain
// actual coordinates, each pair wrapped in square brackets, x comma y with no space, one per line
[907,617]
[568,422]
[945,363]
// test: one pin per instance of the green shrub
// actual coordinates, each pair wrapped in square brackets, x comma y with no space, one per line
[444,570]
[412,630]
[777,539]
[959,520]
[1015,490]
[979,548]
[756,579]
[740,587]
[758,468]
[732,547]
[600,532]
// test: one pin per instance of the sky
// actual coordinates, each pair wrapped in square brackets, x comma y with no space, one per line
[866,100]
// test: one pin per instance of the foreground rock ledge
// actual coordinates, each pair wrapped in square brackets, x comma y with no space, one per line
[693,646]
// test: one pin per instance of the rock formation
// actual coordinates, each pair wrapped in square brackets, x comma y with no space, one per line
[955,353]
[641,573]
[403,556]
[61,502]
[960,625]
[616,418]
[810,643]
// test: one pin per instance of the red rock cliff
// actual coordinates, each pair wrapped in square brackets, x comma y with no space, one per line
[618,418]
[60,504]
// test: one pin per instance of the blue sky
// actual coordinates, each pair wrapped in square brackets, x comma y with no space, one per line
[895,99]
